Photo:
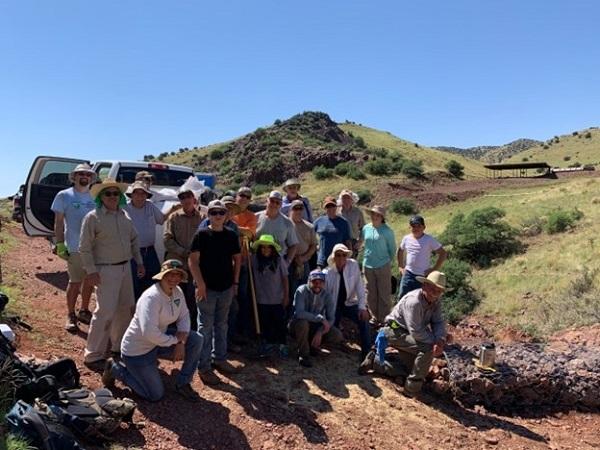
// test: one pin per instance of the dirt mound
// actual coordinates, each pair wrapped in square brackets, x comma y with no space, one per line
[585,336]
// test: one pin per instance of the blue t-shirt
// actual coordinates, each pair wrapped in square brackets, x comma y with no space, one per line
[74,205]
[380,245]
[330,232]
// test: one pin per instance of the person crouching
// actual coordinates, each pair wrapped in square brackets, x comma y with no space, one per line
[149,337]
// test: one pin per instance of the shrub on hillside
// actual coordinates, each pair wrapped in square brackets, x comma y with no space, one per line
[364,196]
[481,236]
[403,206]
[322,172]
[462,299]
[216,153]
[532,226]
[378,166]
[561,220]
[455,168]
[342,169]
[355,173]
[412,169]
[360,142]
[258,189]
[588,135]
[566,158]
[378,152]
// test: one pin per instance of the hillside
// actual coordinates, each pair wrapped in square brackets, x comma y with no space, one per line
[293,147]
[492,153]
[578,148]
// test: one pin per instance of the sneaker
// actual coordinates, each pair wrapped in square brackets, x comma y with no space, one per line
[226,367]
[71,324]
[108,379]
[187,392]
[284,351]
[305,361]
[84,316]
[210,378]
[367,363]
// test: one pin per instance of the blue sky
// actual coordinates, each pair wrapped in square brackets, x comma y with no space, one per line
[120,79]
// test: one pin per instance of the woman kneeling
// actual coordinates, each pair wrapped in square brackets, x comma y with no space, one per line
[147,338]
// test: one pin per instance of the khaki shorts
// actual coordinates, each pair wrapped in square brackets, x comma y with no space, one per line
[75,268]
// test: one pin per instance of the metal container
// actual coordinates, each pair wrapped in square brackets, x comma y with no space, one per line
[487,355]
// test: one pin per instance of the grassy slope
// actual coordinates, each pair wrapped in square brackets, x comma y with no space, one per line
[513,290]
[432,159]
[578,148]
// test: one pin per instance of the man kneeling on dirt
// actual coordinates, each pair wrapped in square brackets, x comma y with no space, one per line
[314,315]
[417,329]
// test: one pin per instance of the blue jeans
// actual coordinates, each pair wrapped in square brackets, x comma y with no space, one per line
[152,267]
[351,312]
[213,313]
[141,373]
[244,324]
[409,283]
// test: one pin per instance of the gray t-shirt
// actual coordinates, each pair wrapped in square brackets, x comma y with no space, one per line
[145,220]
[281,228]
[268,283]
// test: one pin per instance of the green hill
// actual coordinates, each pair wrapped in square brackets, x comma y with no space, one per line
[294,147]
[577,148]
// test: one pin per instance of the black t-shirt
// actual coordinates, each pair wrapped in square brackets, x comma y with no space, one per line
[216,250]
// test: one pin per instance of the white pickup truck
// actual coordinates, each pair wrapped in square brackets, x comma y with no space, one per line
[49,175]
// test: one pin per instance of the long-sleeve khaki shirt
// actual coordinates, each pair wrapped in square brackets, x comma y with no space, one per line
[107,237]
[179,231]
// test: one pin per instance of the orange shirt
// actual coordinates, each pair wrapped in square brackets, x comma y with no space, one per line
[246,220]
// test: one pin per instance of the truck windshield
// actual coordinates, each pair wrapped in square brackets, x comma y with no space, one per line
[162,177]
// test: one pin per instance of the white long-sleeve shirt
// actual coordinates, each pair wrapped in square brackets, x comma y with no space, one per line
[355,288]
[154,312]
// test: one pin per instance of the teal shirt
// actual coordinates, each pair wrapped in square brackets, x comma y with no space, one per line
[379,245]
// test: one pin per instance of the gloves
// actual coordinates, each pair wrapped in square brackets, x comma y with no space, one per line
[380,346]
[62,251]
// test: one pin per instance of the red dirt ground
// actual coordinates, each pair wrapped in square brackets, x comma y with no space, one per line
[273,405]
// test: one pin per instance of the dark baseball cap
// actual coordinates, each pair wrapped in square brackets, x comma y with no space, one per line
[417,220]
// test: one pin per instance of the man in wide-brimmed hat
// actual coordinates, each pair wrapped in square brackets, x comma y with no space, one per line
[417,329]
[145,216]
[108,242]
[70,207]
[292,192]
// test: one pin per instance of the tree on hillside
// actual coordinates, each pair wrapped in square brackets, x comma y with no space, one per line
[412,168]
[455,168]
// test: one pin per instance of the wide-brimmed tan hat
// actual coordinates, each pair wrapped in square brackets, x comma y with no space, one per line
[138,185]
[82,168]
[336,249]
[291,182]
[435,278]
[377,209]
[171,265]
[108,183]
[231,205]
[144,175]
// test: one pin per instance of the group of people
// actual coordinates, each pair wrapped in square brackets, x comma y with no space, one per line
[230,274]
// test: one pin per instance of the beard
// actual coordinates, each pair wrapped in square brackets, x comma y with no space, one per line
[83,182]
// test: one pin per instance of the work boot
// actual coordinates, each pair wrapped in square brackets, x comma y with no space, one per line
[187,392]
[226,367]
[210,378]
[84,316]
[71,324]
[108,379]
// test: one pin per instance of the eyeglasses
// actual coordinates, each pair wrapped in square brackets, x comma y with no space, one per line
[245,196]
[111,193]
[83,174]
[218,212]
[184,196]
[330,205]
[340,255]
[298,208]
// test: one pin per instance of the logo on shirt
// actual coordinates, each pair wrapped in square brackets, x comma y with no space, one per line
[177,301]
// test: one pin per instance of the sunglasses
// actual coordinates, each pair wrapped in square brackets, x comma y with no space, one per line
[172,264]
[340,255]
[219,212]
[111,193]
[245,196]
[83,174]
[298,208]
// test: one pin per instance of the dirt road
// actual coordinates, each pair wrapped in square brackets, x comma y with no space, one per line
[278,404]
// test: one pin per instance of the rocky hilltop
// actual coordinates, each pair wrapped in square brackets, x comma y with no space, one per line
[493,153]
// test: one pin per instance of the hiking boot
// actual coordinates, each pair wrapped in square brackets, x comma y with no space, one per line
[187,392]
[226,367]
[84,316]
[305,361]
[95,366]
[71,324]
[234,348]
[210,378]
[367,363]
[314,351]
[108,379]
